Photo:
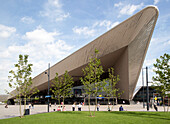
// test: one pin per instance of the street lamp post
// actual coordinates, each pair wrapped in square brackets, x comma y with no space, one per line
[48,73]
[147,94]
[143,87]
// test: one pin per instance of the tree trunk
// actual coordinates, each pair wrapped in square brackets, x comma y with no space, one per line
[24,105]
[63,101]
[95,105]
[59,101]
[95,102]
[108,100]
[89,104]
[168,106]
[164,103]
[113,104]
[20,106]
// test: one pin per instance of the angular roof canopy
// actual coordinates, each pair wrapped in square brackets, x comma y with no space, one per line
[123,47]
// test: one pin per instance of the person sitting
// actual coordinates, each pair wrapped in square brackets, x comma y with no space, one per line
[58,109]
[121,108]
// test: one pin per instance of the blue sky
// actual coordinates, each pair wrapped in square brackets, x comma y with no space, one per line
[50,30]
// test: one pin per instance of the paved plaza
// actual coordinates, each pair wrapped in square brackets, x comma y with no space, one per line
[13,110]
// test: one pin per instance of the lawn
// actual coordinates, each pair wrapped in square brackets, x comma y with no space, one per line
[101,118]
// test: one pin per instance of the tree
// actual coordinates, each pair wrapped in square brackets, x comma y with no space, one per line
[57,87]
[92,79]
[68,82]
[110,87]
[62,86]
[22,80]
[162,78]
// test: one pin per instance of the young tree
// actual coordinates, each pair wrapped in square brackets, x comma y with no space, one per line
[57,87]
[110,87]
[62,86]
[92,79]
[22,80]
[162,78]
[67,82]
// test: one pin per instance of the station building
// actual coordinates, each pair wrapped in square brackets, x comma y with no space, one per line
[124,48]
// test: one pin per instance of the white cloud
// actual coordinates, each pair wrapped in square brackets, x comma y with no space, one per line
[41,35]
[128,9]
[118,4]
[53,10]
[168,42]
[156,2]
[149,62]
[115,24]
[96,27]
[62,17]
[106,23]
[27,20]
[6,31]
[41,46]
[84,30]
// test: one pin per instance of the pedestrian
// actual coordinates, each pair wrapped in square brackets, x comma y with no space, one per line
[79,107]
[64,108]
[61,104]
[155,107]
[109,108]
[98,106]
[6,106]
[29,105]
[32,105]
[61,108]
[73,107]
[58,109]
[121,108]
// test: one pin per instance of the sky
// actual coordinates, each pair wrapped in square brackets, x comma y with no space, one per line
[50,30]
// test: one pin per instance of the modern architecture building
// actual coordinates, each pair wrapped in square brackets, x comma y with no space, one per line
[124,48]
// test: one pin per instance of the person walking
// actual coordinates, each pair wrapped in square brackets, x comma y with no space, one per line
[64,108]
[98,106]
[155,107]
[73,107]
[79,107]
[29,105]
[32,105]
[6,106]
[109,108]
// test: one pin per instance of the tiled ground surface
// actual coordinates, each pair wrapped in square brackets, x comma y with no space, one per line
[13,110]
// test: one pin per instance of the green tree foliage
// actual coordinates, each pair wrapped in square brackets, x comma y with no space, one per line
[68,82]
[91,80]
[110,88]
[21,80]
[57,87]
[162,78]
[62,86]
